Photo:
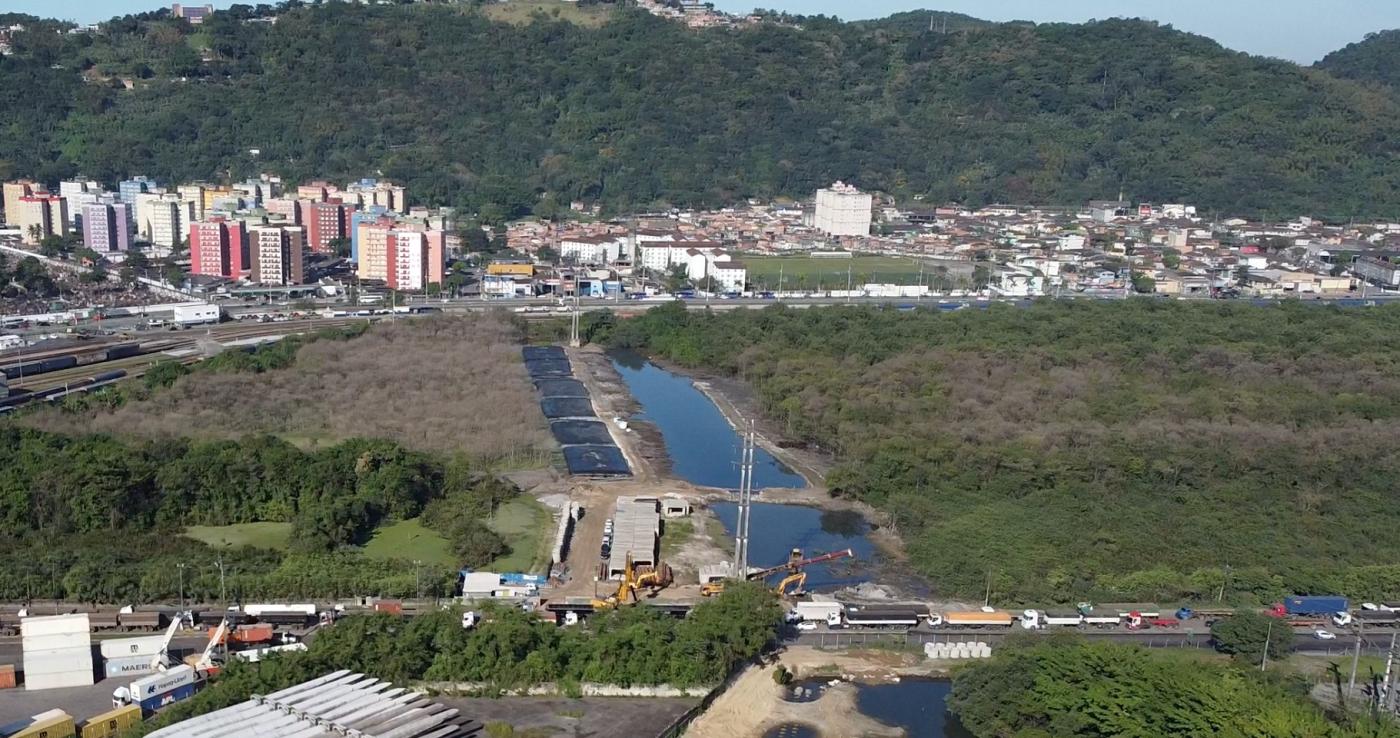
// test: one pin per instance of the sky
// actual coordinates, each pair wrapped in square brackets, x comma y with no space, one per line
[1301,30]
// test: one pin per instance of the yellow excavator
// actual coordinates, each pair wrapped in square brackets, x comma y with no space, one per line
[795,567]
[635,578]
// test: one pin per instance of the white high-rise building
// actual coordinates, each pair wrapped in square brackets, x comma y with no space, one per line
[843,210]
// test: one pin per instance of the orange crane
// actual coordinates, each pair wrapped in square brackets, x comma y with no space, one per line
[795,567]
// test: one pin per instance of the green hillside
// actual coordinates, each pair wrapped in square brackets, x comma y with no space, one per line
[508,118]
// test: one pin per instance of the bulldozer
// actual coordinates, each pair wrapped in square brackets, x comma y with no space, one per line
[634,578]
[792,584]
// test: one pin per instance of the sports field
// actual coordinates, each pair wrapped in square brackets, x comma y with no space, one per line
[807,273]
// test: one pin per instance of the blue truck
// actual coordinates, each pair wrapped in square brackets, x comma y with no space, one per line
[1314,604]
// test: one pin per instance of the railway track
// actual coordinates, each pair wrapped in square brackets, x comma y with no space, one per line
[165,347]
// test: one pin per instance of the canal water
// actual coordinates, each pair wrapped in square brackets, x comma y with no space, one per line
[917,705]
[703,447]
[777,529]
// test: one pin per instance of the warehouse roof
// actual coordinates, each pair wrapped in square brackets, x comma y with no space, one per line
[338,704]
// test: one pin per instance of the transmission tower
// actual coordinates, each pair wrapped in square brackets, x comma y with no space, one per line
[741,525]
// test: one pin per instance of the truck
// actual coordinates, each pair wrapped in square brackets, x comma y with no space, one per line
[1314,605]
[820,612]
[195,314]
[158,690]
[254,633]
[977,619]
[1037,620]
[139,620]
[881,617]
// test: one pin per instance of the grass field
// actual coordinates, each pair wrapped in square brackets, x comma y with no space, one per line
[807,273]
[409,540]
[528,526]
[523,11]
[674,535]
[258,535]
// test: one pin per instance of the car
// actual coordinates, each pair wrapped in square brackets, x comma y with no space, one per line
[807,626]
[1324,635]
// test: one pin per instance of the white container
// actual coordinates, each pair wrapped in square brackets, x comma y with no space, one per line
[117,648]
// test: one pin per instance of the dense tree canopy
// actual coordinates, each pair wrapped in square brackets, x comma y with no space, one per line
[1088,449]
[1374,59]
[505,119]
[1079,690]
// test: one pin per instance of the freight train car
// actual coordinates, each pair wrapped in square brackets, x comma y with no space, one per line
[29,369]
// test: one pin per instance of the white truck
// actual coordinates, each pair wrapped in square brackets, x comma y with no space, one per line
[195,313]
[828,612]
[1038,619]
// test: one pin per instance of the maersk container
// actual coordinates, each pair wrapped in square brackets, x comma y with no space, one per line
[1314,604]
[128,667]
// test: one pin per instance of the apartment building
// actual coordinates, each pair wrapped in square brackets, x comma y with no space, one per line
[368,192]
[42,215]
[12,192]
[373,240]
[219,248]
[275,253]
[326,221]
[107,226]
[843,210]
[406,261]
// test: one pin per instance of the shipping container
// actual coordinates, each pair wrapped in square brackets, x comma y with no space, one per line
[7,676]
[158,690]
[390,607]
[257,610]
[57,651]
[255,633]
[196,313]
[128,667]
[51,724]
[1314,605]
[117,648]
[818,611]
[111,724]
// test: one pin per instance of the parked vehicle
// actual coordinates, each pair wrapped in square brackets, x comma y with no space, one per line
[158,690]
[1314,605]
[1324,635]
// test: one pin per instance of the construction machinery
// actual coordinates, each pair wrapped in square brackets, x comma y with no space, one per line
[792,584]
[635,578]
[204,663]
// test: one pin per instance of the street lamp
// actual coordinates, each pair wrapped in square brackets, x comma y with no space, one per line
[181,568]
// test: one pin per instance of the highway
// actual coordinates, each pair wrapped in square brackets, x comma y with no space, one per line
[1304,642]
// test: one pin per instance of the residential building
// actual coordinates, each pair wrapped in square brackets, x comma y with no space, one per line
[193,193]
[212,194]
[127,190]
[275,253]
[373,240]
[12,193]
[107,226]
[195,14]
[359,217]
[326,221]
[287,208]
[406,261]
[317,191]
[168,219]
[843,210]
[219,248]
[42,215]
[79,194]
[1378,271]
[594,249]
[369,192]
[729,275]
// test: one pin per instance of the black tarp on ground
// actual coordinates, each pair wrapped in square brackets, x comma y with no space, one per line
[567,407]
[580,432]
[535,353]
[596,460]
[561,387]
[549,368]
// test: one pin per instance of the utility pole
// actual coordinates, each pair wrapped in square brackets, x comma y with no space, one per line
[417,580]
[1356,655]
[1268,636]
[181,568]
[573,317]
[848,283]
[1389,703]
[223,593]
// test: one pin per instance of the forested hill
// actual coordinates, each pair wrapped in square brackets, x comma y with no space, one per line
[641,111]
[1375,59]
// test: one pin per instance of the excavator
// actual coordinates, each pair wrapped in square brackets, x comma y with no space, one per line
[633,579]
[792,584]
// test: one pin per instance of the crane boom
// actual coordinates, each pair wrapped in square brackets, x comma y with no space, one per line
[796,562]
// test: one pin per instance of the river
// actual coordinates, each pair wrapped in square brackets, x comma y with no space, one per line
[703,447]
